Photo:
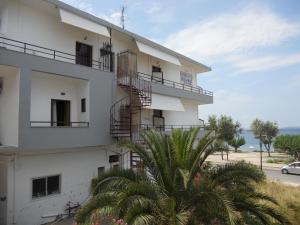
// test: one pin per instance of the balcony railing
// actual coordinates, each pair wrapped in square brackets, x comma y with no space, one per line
[57,124]
[31,49]
[174,84]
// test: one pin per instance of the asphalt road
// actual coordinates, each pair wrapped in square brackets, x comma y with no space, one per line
[286,178]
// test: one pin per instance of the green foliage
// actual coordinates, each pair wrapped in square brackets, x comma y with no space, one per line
[178,188]
[265,132]
[224,127]
[237,142]
[289,144]
[225,131]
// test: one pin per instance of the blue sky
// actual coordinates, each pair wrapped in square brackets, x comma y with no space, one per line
[253,48]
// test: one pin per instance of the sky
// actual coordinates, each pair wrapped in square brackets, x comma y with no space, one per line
[253,48]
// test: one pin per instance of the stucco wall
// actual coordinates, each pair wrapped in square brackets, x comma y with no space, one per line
[9,106]
[45,86]
[76,167]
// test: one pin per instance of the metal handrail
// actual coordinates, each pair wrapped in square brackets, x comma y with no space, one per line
[175,84]
[55,124]
[32,49]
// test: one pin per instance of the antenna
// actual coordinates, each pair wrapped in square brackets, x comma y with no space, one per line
[123,17]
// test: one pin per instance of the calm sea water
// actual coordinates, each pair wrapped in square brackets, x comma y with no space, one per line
[253,144]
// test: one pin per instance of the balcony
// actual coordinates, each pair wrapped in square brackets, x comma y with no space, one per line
[166,129]
[173,84]
[105,62]
[9,106]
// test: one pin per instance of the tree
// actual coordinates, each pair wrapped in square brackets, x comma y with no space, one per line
[289,144]
[225,130]
[177,188]
[265,132]
[237,142]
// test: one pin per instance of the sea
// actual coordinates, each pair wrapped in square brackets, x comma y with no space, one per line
[252,144]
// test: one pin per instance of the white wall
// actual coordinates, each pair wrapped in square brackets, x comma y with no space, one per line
[187,117]
[3,191]
[45,87]
[9,106]
[44,28]
[77,167]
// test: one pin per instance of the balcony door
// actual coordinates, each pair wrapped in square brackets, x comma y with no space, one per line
[84,54]
[158,120]
[60,113]
[157,74]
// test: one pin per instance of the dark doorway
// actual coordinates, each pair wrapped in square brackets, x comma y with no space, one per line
[157,74]
[84,54]
[158,120]
[60,113]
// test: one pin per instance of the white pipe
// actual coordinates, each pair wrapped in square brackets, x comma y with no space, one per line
[14,189]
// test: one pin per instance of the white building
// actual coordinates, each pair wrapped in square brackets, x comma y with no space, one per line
[71,86]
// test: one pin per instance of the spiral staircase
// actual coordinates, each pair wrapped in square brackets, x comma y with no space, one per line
[124,114]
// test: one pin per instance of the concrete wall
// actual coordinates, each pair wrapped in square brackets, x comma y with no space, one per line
[45,86]
[9,106]
[100,84]
[76,168]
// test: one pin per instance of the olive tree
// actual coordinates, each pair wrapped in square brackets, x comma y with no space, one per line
[225,130]
[289,144]
[237,142]
[265,132]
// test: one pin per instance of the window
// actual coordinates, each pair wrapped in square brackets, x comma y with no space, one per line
[186,78]
[45,186]
[101,170]
[84,54]
[157,74]
[83,105]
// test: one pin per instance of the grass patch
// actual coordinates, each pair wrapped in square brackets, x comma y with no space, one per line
[287,196]
[281,161]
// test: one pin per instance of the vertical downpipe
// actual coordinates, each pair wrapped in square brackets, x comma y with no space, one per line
[130,116]
[14,190]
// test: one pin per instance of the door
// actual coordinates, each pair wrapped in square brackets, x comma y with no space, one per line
[3,193]
[84,54]
[297,168]
[292,168]
[60,113]
[157,74]
[158,120]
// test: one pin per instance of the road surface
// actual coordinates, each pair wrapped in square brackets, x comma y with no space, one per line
[275,174]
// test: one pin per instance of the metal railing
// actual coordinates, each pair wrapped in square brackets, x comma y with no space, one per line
[58,124]
[32,49]
[174,84]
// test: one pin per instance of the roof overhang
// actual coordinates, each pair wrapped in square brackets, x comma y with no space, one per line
[83,23]
[164,102]
[157,53]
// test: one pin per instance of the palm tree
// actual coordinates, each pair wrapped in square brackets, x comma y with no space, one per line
[177,187]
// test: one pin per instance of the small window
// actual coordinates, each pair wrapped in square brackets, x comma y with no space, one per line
[101,170]
[113,158]
[45,186]
[83,105]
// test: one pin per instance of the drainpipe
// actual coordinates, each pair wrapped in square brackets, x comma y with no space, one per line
[14,190]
